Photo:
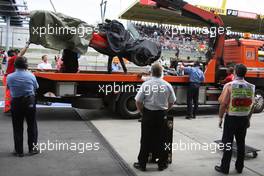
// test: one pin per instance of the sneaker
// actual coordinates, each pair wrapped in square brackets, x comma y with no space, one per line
[188,117]
[33,152]
[163,167]
[18,154]
[239,170]
[219,169]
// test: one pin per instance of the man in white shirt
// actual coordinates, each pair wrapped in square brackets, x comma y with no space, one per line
[44,65]
[154,99]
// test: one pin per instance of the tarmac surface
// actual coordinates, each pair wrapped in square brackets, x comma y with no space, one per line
[60,125]
[124,136]
[119,145]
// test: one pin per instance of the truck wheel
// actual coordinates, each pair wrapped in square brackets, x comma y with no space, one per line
[259,98]
[126,106]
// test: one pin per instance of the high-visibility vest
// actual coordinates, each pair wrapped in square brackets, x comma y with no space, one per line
[242,98]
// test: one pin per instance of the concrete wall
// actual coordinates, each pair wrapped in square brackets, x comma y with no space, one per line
[18,37]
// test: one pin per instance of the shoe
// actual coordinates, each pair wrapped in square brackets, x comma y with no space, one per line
[194,116]
[18,154]
[162,167]
[139,167]
[33,152]
[219,169]
[188,117]
[239,170]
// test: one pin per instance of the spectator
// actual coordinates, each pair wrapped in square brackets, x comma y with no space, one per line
[22,85]
[154,104]
[115,66]
[12,55]
[58,62]
[70,61]
[44,65]
[237,118]
[230,76]
[2,57]
[4,61]
[196,78]
[177,52]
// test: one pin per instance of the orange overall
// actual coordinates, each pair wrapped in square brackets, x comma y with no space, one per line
[7,96]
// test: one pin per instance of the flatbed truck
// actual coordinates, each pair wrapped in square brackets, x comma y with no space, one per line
[87,89]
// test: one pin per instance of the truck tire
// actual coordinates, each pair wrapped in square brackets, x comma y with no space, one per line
[259,98]
[126,106]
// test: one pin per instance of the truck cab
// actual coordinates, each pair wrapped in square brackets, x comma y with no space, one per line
[243,51]
[247,52]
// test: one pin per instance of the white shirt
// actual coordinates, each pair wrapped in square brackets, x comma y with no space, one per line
[156,94]
[44,66]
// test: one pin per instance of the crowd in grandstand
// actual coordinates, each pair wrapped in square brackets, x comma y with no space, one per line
[171,39]
[174,38]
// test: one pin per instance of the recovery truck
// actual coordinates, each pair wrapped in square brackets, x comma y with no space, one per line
[88,89]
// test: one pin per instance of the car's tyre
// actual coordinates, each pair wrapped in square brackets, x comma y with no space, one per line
[259,98]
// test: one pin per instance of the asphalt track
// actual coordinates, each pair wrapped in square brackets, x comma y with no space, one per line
[61,125]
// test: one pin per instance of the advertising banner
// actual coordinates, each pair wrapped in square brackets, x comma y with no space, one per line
[231,12]
[147,2]
[249,15]
[218,11]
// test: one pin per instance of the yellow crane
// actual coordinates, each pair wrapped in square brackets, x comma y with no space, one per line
[223,6]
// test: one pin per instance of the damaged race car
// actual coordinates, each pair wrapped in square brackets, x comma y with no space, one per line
[113,39]
[110,38]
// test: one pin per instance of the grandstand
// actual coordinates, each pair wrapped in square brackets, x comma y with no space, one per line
[158,25]
[239,21]
[188,45]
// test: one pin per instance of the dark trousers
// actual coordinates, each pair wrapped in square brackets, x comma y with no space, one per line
[192,99]
[234,126]
[153,137]
[24,107]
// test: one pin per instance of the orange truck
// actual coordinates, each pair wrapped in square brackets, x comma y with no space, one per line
[116,91]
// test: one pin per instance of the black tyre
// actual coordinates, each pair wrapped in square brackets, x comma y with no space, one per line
[259,98]
[126,106]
